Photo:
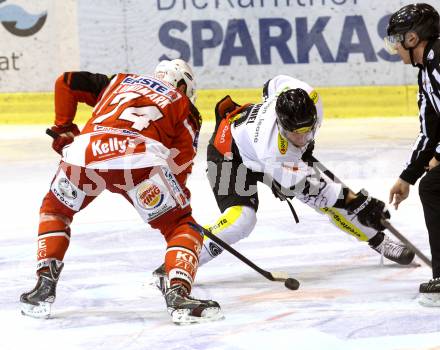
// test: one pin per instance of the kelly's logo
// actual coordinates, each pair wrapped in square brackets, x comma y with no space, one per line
[19,22]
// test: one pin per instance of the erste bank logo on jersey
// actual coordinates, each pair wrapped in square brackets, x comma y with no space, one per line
[18,21]
[155,85]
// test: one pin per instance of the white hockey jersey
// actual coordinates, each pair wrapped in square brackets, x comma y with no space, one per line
[263,149]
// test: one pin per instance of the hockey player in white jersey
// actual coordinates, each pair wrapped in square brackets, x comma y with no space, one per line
[271,143]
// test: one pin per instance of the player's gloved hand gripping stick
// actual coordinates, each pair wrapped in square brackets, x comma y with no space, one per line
[383,221]
[62,136]
[52,133]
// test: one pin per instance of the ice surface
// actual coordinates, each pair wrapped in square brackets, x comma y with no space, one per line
[347,300]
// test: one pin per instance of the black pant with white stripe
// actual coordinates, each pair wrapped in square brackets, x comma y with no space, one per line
[429,191]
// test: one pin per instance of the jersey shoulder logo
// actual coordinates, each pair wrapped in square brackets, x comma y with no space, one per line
[282,144]
[314,96]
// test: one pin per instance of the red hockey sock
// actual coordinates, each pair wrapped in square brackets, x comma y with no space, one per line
[182,256]
[53,237]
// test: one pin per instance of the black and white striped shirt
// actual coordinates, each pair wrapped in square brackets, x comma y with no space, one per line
[427,144]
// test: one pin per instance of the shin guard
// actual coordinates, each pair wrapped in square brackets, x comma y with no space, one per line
[182,256]
[53,237]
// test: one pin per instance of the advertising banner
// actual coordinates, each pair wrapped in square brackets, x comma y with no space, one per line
[242,43]
[39,40]
[230,43]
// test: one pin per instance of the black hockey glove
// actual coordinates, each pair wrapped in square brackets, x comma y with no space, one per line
[369,210]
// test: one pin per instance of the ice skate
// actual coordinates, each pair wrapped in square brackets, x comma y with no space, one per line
[430,293]
[159,278]
[37,303]
[392,250]
[186,310]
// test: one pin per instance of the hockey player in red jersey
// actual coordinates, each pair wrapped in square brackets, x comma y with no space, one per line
[140,142]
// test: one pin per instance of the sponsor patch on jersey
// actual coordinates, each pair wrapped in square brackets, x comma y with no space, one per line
[149,196]
[152,198]
[214,249]
[175,188]
[156,90]
[218,225]
[152,83]
[314,96]
[103,147]
[282,144]
[66,192]
[114,130]
[66,189]
[223,139]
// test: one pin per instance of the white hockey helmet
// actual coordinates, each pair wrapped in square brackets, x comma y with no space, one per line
[177,72]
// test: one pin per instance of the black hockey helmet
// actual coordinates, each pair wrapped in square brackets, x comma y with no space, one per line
[421,18]
[296,111]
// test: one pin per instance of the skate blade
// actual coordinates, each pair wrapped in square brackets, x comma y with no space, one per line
[158,282]
[153,281]
[42,310]
[183,316]
[429,299]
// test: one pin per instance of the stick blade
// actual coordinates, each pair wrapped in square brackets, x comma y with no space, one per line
[279,276]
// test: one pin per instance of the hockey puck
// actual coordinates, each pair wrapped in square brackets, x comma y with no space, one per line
[291,283]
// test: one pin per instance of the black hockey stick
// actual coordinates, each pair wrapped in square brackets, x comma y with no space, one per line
[289,282]
[384,222]
[52,133]
[396,233]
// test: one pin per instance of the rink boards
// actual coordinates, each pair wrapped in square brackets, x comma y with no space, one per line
[339,102]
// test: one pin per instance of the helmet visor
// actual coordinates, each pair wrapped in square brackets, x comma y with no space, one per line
[391,42]
[298,137]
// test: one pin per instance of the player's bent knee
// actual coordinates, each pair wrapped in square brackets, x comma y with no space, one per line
[237,221]
[247,220]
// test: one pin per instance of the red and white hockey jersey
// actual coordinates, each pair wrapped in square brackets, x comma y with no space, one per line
[137,122]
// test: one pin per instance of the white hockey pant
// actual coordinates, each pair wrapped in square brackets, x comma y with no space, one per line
[234,224]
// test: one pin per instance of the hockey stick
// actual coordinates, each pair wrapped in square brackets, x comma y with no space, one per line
[396,233]
[384,222]
[289,282]
[52,133]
